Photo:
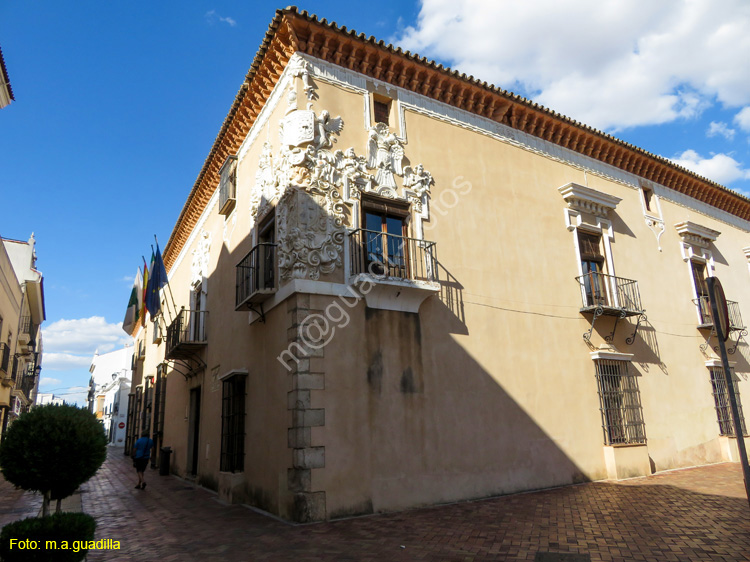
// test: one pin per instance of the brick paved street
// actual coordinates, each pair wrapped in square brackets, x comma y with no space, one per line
[694,514]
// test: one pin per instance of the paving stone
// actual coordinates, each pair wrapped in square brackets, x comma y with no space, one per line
[694,514]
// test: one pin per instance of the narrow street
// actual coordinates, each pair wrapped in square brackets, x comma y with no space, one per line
[693,514]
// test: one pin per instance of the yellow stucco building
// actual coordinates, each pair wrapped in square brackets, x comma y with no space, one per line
[393,285]
[21,315]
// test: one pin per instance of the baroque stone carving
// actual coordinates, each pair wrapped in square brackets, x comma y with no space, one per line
[418,180]
[385,154]
[201,254]
[311,183]
[299,68]
[264,190]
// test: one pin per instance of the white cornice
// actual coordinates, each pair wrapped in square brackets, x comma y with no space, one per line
[696,234]
[588,200]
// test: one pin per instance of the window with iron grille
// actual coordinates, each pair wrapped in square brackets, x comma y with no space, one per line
[233,424]
[620,403]
[382,110]
[721,401]
[160,396]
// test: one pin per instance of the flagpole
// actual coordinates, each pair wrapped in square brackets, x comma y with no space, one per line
[174,306]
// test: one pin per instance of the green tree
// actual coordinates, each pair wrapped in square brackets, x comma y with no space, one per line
[53,449]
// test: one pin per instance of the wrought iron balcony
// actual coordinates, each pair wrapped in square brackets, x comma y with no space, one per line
[26,380]
[706,320]
[390,256]
[613,296]
[26,335]
[608,295]
[186,336]
[256,276]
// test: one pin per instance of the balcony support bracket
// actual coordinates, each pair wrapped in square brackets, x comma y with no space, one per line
[610,338]
[740,334]
[187,367]
[631,339]
[258,310]
[597,313]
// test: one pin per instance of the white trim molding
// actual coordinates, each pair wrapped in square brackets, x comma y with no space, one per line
[231,373]
[610,355]
[716,362]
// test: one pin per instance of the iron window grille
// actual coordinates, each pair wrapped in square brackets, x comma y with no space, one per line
[721,401]
[233,424]
[620,403]
[382,110]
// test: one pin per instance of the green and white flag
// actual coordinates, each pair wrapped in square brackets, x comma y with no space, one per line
[134,305]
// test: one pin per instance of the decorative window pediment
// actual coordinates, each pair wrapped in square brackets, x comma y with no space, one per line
[587,200]
[695,234]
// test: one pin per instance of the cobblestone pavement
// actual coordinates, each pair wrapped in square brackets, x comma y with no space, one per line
[693,514]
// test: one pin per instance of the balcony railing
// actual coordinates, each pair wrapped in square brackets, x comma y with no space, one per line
[706,320]
[256,277]
[388,255]
[4,358]
[613,295]
[26,379]
[187,334]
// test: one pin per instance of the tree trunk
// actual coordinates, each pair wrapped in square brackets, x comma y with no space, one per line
[45,504]
[58,507]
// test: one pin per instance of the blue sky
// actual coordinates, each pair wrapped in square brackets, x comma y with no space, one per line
[118,104]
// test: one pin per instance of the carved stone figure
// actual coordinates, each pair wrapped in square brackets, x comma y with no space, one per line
[325,127]
[418,180]
[299,68]
[385,154]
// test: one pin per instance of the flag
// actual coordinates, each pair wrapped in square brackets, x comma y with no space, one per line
[134,304]
[157,280]
[142,304]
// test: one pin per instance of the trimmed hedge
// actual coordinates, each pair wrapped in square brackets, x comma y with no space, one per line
[69,531]
[53,449]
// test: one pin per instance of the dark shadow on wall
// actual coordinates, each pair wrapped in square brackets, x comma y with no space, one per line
[452,296]
[455,420]
[620,226]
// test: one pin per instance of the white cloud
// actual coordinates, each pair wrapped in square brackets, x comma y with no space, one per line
[71,344]
[65,361]
[609,64]
[720,128]
[742,119]
[720,168]
[212,17]
[48,381]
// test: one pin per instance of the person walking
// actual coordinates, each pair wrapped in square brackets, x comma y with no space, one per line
[141,456]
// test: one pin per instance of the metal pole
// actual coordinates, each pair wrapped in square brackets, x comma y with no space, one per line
[730,389]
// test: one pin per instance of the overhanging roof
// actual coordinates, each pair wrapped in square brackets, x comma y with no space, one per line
[291,31]
[5,90]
